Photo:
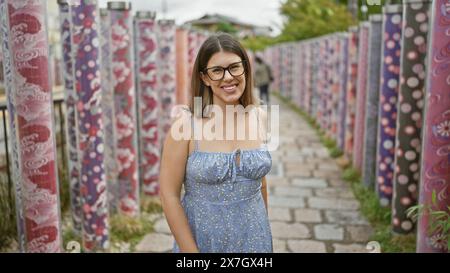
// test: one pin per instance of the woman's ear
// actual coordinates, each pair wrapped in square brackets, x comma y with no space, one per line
[205,79]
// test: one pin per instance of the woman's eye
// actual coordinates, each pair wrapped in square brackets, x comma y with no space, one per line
[217,71]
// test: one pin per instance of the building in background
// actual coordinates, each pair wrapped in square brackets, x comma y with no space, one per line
[218,22]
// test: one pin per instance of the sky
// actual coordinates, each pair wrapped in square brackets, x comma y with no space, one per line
[257,12]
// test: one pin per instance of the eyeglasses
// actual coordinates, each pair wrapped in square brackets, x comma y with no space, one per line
[217,73]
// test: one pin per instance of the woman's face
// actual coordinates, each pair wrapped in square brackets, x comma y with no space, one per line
[229,89]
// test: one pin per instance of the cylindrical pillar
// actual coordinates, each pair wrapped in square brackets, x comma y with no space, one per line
[108,117]
[410,108]
[363,64]
[166,73]
[32,134]
[352,78]
[182,53]
[71,116]
[372,99]
[192,52]
[342,108]
[435,170]
[148,100]
[122,79]
[387,117]
[93,189]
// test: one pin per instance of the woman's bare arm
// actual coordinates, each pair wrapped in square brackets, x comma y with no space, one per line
[172,173]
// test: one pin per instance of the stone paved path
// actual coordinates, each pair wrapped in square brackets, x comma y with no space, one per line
[310,208]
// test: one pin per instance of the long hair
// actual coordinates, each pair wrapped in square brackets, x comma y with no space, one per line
[217,43]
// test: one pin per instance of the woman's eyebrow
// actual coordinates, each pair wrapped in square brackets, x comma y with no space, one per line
[227,65]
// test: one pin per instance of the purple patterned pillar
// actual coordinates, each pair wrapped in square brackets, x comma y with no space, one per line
[86,54]
[435,171]
[148,99]
[363,63]
[409,115]
[71,116]
[32,134]
[166,74]
[392,23]
[122,76]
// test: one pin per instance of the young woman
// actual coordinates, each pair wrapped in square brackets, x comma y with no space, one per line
[224,208]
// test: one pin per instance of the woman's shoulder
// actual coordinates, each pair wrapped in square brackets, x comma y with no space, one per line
[181,124]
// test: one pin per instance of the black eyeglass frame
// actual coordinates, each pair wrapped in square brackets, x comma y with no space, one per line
[205,71]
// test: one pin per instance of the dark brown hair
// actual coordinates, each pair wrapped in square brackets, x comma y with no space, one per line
[217,43]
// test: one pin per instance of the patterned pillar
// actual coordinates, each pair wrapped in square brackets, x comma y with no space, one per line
[307,67]
[342,73]
[183,82]
[372,99]
[363,63]
[166,73]
[148,100]
[315,79]
[108,117]
[71,117]
[86,52]
[30,106]
[409,116]
[392,23]
[1,68]
[336,85]
[435,170]
[122,75]
[351,89]
[192,51]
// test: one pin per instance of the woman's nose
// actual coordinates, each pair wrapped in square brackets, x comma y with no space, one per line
[227,75]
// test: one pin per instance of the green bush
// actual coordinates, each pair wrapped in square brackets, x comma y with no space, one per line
[439,220]
[129,229]
[8,227]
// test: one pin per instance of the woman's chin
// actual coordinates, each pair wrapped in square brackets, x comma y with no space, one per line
[231,99]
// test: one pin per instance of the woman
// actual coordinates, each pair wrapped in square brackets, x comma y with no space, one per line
[263,78]
[224,208]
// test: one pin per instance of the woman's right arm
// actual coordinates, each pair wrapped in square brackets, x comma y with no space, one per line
[172,172]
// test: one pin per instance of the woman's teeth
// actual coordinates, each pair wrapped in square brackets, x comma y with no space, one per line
[229,88]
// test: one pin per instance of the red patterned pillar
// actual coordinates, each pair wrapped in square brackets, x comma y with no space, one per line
[435,171]
[122,74]
[30,105]
[148,99]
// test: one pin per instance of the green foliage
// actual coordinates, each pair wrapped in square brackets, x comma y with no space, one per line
[151,205]
[379,217]
[335,152]
[258,43]
[129,229]
[312,18]
[439,219]
[8,229]
[351,175]
[226,27]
